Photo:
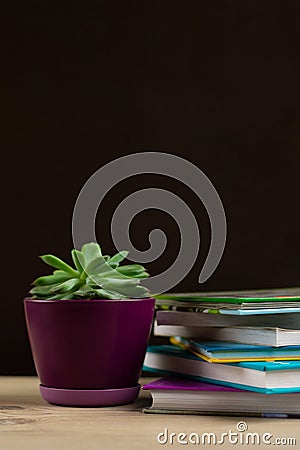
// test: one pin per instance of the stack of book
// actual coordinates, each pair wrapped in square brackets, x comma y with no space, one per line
[230,353]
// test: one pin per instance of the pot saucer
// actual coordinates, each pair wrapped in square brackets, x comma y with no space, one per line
[89,397]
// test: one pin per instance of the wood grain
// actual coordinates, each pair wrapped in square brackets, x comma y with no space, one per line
[29,423]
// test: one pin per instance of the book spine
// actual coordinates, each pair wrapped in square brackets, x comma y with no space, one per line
[151,410]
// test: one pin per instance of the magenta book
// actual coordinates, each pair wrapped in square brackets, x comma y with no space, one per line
[174,395]
[184,384]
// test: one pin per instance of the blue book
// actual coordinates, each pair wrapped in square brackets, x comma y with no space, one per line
[218,351]
[257,311]
[265,377]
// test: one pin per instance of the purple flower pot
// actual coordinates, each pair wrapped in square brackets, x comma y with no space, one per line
[89,352]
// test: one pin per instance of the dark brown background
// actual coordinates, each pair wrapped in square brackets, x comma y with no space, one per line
[217,84]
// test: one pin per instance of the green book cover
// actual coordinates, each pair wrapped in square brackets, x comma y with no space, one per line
[235,297]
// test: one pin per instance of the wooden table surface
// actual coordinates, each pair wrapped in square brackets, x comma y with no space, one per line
[28,422]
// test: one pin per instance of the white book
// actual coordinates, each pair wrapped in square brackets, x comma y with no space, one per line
[187,319]
[266,336]
[188,332]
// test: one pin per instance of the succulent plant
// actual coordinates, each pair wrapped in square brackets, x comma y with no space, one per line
[94,277]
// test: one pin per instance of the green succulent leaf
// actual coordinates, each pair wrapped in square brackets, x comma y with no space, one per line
[112,264]
[91,251]
[119,257]
[65,286]
[94,277]
[99,279]
[133,270]
[43,290]
[104,293]
[84,291]
[61,272]
[51,279]
[59,264]
[129,288]
[97,266]
[79,260]
[62,297]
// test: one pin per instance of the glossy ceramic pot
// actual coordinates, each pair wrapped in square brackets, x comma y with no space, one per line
[88,347]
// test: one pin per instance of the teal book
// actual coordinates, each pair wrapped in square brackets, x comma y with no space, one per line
[266,377]
[218,351]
